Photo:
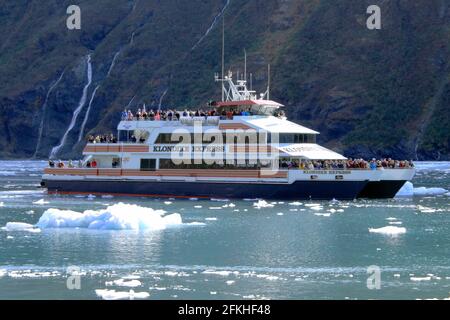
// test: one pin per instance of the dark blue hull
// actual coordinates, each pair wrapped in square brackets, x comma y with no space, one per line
[385,189]
[317,190]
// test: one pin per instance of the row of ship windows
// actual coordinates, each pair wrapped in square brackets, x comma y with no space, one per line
[150,165]
[166,138]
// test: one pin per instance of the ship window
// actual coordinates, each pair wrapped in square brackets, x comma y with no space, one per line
[148,164]
[116,163]
[297,138]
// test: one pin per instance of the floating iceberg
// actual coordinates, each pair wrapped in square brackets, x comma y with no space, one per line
[20,226]
[262,204]
[408,190]
[116,217]
[106,294]
[41,202]
[389,230]
[125,283]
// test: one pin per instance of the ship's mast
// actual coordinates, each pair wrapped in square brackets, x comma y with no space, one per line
[223,56]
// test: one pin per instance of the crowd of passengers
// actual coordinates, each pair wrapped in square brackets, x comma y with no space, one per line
[386,163]
[105,138]
[285,164]
[171,115]
[112,139]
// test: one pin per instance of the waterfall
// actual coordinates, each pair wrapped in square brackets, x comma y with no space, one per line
[44,111]
[129,103]
[161,99]
[77,111]
[216,19]
[113,63]
[83,125]
[135,5]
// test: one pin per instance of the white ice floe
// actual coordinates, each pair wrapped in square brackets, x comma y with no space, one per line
[312,205]
[167,202]
[391,219]
[2,204]
[132,283]
[41,202]
[231,205]
[215,208]
[230,282]
[262,204]
[395,222]
[211,219]
[20,226]
[389,230]
[428,278]
[408,190]
[267,277]
[223,273]
[198,207]
[106,294]
[280,214]
[116,217]
[323,214]
[29,212]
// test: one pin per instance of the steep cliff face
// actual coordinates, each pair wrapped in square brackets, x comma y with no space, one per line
[369,92]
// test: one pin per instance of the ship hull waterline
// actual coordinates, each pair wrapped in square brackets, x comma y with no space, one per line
[299,190]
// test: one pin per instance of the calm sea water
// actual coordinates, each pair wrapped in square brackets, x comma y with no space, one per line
[223,249]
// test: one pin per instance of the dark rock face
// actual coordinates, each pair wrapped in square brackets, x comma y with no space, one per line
[369,93]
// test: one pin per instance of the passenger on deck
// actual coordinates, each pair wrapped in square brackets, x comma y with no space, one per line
[124,115]
[80,164]
[70,164]
[94,164]
[130,115]
[60,164]
[51,163]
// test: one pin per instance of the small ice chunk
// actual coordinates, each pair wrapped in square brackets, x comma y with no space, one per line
[125,283]
[388,230]
[262,204]
[428,278]
[106,294]
[41,202]
[211,219]
[21,226]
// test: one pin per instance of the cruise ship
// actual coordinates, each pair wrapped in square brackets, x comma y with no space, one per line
[243,146]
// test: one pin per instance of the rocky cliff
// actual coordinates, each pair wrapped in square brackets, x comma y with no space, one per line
[369,92]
